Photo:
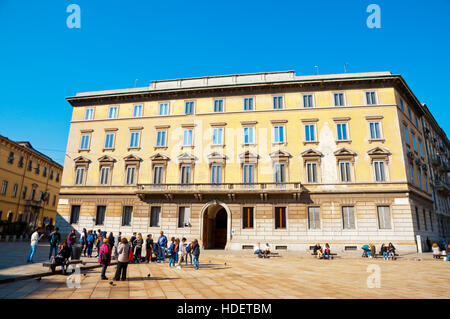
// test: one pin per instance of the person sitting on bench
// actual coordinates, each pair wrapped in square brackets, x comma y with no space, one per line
[266,251]
[62,258]
[436,251]
[391,251]
[258,250]
[316,248]
[327,253]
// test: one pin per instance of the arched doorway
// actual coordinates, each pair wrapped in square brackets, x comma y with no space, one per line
[215,226]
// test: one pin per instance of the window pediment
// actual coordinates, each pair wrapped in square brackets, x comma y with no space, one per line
[132,160]
[217,158]
[280,155]
[344,152]
[159,157]
[107,159]
[379,152]
[186,158]
[82,160]
[249,157]
[311,153]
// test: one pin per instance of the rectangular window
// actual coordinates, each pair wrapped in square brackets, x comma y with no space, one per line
[310,132]
[375,132]
[4,187]
[341,131]
[11,157]
[185,174]
[314,217]
[249,173]
[218,136]
[134,139]
[57,177]
[247,217]
[127,213]
[189,107]
[248,104]
[424,219]
[30,165]
[417,122]
[218,105]
[131,173]
[109,140]
[278,132]
[20,163]
[112,113]
[431,220]
[384,217]
[371,98]
[338,99]
[280,217]
[37,168]
[417,218]
[280,173]
[344,168]
[308,101]
[44,172]
[348,217]
[248,135]
[100,217]
[14,192]
[425,181]
[183,216]
[161,138]
[406,135]
[378,167]
[401,105]
[54,200]
[277,102]
[411,171]
[24,192]
[420,149]
[158,171]
[419,177]
[216,174]
[79,176]
[104,175]
[163,108]
[75,214]
[409,114]
[51,174]
[311,172]
[137,110]
[85,142]
[414,143]
[155,212]
[187,137]
[89,114]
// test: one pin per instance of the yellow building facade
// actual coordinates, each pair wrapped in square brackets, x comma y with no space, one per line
[240,159]
[25,174]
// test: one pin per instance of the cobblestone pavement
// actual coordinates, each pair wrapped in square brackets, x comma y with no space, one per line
[242,275]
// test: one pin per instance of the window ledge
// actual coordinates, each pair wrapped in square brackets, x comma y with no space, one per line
[279,143]
[108,149]
[134,148]
[218,145]
[310,142]
[187,146]
[160,148]
[343,141]
[248,144]
[83,150]
[381,140]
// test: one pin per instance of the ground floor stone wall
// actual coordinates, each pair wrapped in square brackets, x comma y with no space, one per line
[405,225]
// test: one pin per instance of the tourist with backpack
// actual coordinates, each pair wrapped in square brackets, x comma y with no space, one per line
[99,242]
[55,240]
[196,254]
[189,252]
[171,252]
[122,260]
[90,243]
[104,257]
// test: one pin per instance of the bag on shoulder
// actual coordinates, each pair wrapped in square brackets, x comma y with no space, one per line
[104,258]
[130,255]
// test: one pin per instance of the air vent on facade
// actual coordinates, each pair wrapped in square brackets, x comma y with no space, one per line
[247,246]
[350,248]
[280,247]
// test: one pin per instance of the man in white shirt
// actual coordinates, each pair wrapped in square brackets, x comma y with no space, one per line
[33,245]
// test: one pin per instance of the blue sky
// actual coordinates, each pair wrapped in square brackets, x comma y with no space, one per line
[42,61]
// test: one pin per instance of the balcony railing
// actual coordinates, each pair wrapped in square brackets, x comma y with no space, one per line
[219,187]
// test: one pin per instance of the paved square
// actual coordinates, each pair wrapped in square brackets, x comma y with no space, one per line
[242,275]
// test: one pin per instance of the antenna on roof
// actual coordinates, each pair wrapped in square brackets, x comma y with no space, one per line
[345,67]
[317,69]
[135,81]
